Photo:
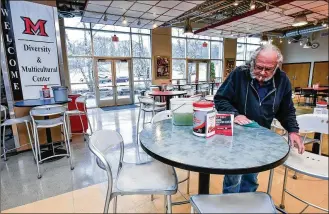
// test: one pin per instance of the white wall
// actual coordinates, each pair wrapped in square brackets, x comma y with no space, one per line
[293,52]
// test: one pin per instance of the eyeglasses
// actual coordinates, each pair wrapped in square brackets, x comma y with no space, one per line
[265,69]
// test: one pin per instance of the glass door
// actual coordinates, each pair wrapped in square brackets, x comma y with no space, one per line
[198,70]
[113,77]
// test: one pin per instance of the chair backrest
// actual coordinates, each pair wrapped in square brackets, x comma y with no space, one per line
[313,123]
[47,110]
[163,115]
[81,99]
[102,143]
[186,87]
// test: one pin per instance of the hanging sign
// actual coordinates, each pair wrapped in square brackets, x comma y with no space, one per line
[33,27]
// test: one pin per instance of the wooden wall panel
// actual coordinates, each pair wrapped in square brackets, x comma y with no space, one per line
[320,73]
[298,73]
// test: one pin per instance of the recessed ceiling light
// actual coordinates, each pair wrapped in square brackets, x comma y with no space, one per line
[124,21]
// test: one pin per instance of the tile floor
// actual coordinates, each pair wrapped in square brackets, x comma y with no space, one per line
[83,189]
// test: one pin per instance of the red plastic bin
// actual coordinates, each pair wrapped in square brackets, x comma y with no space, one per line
[76,126]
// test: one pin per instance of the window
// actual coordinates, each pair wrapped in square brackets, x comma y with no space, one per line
[245,47]
[133,42]
[192,47]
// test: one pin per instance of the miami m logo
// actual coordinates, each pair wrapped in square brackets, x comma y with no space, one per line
[34,29]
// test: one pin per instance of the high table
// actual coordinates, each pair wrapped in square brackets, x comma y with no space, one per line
[250,150]
[167,95]
[315,92]
[38,102]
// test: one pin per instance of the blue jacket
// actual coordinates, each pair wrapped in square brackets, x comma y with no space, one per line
[238,95]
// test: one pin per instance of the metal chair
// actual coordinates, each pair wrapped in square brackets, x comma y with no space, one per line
[77,112]
[308,163]
[47,111]
[166,115]
[10,122]
[131,179]
[298,93]
[251,202]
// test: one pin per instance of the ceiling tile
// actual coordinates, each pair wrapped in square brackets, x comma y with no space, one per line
[158,10]
[115,11]
[298,3]
[247,19]
[133,13]
[92,15]
[140,7]
[320,8]
[148,26]
[168,4]
[220,27]
[96,8]
[164,18]
[122,4]
[149,16]
[325,12]
[293,10]
[89,20]
[287,6]
[108,22]
[277,10]
[119,23]
[112,17]
[174,13]
[311,15]
[150,2]
[272,17]
[314,4]
[104,3]
[185,6]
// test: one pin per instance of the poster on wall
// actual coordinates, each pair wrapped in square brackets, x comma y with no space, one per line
[162,64]
[35,47]
[229,66]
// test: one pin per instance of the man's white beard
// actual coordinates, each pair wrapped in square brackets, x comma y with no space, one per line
[253,76]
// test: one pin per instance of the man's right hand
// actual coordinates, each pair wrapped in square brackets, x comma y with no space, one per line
[241,120]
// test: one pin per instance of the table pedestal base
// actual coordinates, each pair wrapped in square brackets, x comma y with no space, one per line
[204,180]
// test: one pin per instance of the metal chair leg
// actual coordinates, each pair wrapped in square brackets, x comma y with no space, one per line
[169,208]
[144,118]
[108,198]
[68,144]
[30,139]
[37,150]
[165,203]
[192,209]
[188,182]
[4,143]
[282,206]
[138,119]
[295,176]
[115,202]
[152,197]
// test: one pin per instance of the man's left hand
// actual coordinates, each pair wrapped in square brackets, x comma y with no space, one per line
[295,141]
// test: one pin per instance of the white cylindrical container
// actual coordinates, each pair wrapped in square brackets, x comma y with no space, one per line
[201,108]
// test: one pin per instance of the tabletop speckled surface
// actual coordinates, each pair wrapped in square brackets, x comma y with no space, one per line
[249,150]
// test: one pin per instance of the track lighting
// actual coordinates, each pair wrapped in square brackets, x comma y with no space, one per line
[236,3]
[155,25]
[188,30]
[124,21]
[105,18]
[139,22]
[252,5]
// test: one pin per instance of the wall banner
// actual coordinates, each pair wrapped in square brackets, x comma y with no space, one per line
[34,35]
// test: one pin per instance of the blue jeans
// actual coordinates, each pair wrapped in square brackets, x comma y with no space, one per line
[240,183]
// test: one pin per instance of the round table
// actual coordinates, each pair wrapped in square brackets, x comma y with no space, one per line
[38,102]
[167,95]
[250,150]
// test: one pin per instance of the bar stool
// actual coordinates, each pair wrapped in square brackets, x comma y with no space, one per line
[14,121]
[77,112]
[47,111]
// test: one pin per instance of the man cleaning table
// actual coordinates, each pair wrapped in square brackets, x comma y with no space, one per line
[257,93]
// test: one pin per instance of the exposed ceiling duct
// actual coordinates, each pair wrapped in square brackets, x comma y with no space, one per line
[303,31]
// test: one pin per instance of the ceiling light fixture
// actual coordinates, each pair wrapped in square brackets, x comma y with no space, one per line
[188,30]
[124,21]
[300,20]
[324,24]
[252,5]
[139,22]
[236,3]
[301,43]
[105,18]
[264,39]
[289,41]
[282,12]
[315,22]
[155,25]
[281,40]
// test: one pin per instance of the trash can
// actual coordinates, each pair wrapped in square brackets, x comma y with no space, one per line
[76,126]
